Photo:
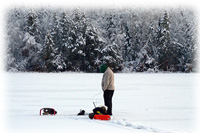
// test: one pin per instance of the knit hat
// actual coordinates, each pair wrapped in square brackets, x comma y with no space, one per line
[103,68]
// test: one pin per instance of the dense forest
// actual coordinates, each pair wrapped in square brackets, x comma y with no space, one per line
[128,40]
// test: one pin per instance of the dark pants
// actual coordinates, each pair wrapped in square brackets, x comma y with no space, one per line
[108,94]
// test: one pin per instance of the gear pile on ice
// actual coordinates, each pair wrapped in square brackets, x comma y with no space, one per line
[48,111]
[99,113]
[82,112]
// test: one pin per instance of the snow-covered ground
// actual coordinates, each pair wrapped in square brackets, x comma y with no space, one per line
[142,103]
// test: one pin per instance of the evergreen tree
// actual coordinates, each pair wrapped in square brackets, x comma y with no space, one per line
[64,32]
[189,48]
[49,54]
[112,57]
[31,47]
[164,45]
[111,52]
[93,43]
[78,41]
[15,34]
[59,63]
[32,26]
[127,45]
[63,41]
[147,57]
[56,32]
[137,39]
[31,53]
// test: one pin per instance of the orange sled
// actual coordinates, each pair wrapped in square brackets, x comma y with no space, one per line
[102,117]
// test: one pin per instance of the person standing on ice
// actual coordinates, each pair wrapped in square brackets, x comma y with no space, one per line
[107,86]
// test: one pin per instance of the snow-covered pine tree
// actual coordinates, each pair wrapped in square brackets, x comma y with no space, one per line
[137,39]
[71,47]
[59,63]
[111,52]
[11,64]
[163,40]
[61,31]
[187,44]
[49,54]
[127,45]
[191,46]
[64,32]
[78,42]
[92,49]
[30,47]
[32,26]
[55,32]
[15,33]
[112,57]
[146,57]
[31,53]
[152,42]
[44,17]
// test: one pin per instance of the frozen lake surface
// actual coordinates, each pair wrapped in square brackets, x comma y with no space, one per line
[142,103]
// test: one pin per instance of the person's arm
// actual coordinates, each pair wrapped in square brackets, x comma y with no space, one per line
[105,81]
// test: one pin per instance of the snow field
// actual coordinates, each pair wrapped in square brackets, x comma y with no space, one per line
[141,103]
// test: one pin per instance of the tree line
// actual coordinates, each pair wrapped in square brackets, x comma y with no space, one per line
[128,40]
